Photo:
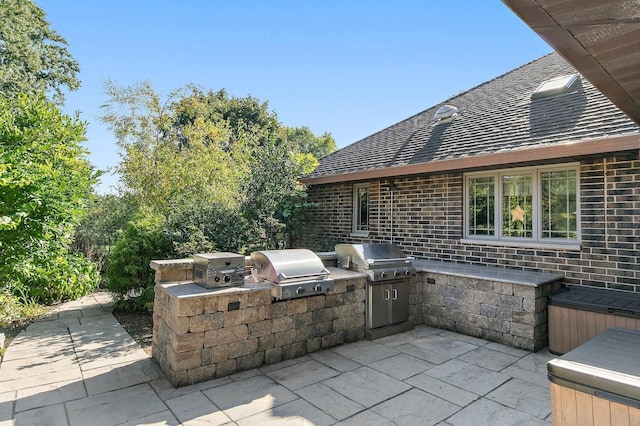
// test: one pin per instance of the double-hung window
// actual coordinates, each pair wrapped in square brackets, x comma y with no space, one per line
[527,205]
[361,209]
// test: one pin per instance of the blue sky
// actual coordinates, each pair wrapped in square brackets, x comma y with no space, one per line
[350,68]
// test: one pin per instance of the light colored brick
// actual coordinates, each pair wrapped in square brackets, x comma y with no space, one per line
[186,306]
[220,353]
[285,337]
[266,342]
[253,314]
[225,367]
[204,322]
[260,328]
[316,302]
[186,342]
[276,310]
[178,378]
[232,318]
[314,344]
[523,317]
[170,275]
[180,325]
[302,320]
[243,347]
[210,338]
[250,361]
[282,324]
[296,306]
[201,374]
[184,360]
[211,304]
[305,333]
[258,298]
[525,291]
[522,330]
[233,334]
[273,355]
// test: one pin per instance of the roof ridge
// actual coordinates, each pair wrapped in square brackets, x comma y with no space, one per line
[496,113]
[448,99]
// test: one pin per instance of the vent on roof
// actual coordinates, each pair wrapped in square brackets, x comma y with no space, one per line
[445,114]
[555,86]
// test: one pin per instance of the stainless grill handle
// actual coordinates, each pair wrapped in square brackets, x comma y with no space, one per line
[387,294]
[282,276]
[395,294]
[397,259]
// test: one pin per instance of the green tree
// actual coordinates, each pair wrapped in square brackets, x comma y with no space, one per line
[45,183]
[33,57]
[308,143]
[172,149]
[218,172]
[107,218]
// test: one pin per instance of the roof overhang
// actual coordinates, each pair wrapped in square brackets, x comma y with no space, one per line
[546,153]
[601,39]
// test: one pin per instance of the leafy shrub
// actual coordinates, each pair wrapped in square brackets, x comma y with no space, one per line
[14,309]
[129,276]
[45,184]
[58,276]
[198,227]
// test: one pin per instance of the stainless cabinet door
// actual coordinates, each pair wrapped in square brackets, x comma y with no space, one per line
[378,307]
[399,302]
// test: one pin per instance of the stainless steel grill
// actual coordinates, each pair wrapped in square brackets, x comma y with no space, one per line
[387,291]
[380,262]
[292,273]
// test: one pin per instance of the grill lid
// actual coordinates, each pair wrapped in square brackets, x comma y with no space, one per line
[286,266]
[368,256]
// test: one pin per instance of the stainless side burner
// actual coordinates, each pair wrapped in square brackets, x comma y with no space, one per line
[219,269]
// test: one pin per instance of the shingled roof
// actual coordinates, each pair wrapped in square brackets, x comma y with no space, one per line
[498,116]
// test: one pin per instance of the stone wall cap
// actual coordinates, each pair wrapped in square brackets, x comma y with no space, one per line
[186,289]
[506,275]
[161,265]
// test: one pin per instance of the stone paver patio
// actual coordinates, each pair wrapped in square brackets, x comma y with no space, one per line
[78,366]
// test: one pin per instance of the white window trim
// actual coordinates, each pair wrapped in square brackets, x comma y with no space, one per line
[537,241]
[354,225]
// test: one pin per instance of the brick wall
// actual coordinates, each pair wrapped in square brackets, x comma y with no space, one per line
[428,223]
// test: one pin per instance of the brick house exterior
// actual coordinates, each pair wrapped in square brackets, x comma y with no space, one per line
[417,173]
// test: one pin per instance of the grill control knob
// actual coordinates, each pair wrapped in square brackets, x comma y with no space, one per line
[318,288]
[396,273]
[217,279]
[227,278]
[383,274]
[299,290]
[407,272]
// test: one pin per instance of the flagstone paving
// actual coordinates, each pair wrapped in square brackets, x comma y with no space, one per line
[78,366]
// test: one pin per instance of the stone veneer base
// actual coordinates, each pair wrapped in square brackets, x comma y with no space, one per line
[200,334]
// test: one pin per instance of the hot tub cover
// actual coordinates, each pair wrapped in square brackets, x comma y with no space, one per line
[607,366]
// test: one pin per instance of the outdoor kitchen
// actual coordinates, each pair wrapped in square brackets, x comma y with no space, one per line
[219,313]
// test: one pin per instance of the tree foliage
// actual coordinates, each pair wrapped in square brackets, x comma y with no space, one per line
[220,171]
[103,226]
[33,57]
[45,182]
